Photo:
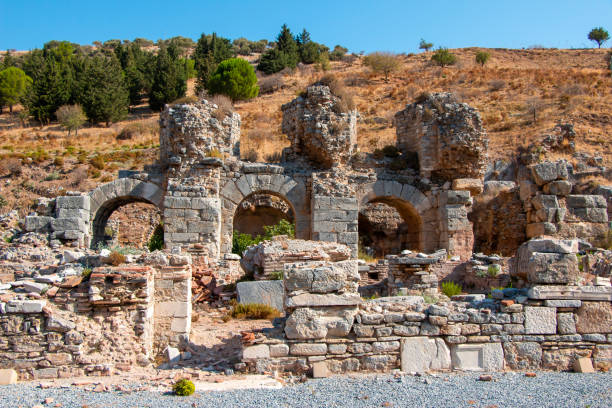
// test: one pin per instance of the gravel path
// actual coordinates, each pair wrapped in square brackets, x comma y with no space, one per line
[548,389]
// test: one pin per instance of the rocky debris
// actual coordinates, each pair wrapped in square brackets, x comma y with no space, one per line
[270,256]
[447,135]
[319,128]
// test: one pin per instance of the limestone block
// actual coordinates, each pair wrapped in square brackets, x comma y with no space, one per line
[458,197]
[336,348]
[34,223]
[474,186]
[478,357]
[563,303]
[541,201]
[540,320]
[8,376]
[595,293]
[58,324]
[537,229]
[546,172]
[180,324]
[560,187]
[305,324]
[583,365]
[317,300]
[265,292]
[551,245]
[590,214]
[72,213]
[73,202]
[34,287]
[320,370]
[566,323]
[594,317]
[420,354]
[172,309]
[25,306]
[586,201]
[279,350]
[552,268]
[254,353]
[308,349]
[523,355]
[173,355]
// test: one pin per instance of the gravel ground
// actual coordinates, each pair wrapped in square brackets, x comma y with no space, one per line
[548,389]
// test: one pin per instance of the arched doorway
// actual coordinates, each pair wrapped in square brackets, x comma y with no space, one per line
[388,225]
[261,209]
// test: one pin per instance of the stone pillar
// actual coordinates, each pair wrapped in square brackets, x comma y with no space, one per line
[456,232]
[72,219]
[334,219]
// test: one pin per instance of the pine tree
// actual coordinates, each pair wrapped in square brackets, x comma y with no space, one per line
[287,45]
[169,82]
[286,53]
[102,90]
[235,78]
[209,52]
[14,84]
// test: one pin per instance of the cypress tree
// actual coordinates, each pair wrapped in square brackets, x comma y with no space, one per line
[169,82]
[286,53]
[209,52]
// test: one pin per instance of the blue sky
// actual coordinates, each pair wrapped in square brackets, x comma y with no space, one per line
[391,25]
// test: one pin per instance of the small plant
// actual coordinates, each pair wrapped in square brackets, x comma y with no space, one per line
[86,274]
[115,258]
[275,157]
[424,45]
[253,311]
[156,242]
[482,57]
[52,176]
[398,164]
[98,162]
[429,298]
[58,161]
[493,270]
[276,275]
[378,154]
[183,388]
[252,156]
[443,57]
[214,153]
[3,202]
[451,289]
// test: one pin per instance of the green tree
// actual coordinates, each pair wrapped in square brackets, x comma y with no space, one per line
[482,57]
[169,82]
[309,50]
[599,35]
[210,50]
[235,78]
[8,61]
[71,117]
[286,53]
[102,91]
[382,62]
[424,45]
[338,53]
[443,57]
[14,84]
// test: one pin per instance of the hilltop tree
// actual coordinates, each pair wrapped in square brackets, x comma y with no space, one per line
[443,57]
[102,90]
[14,84]
[8,61]
[286,53]
[338,53]
[599,35]
[208,53]
[309,50]
[235,78]
[382,62]
[424,45]
[71,117]
[169,82]
[482,57]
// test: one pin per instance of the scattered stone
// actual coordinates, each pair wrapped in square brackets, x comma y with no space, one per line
[583,365]
[485,377]
[8,376]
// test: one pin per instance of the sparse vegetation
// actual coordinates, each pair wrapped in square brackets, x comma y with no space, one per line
[482,57]
[382,62]
[116,258]
[156,242]
[443,57]
[424,45]
[253,311]
[450,288]
[241,241]
[183,388]
[599,35]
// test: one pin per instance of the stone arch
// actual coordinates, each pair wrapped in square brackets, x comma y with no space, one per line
[292,190]
[108,197]
[412,205]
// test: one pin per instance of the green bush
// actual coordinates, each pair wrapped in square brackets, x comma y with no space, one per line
[276,275]
[482,57]
[235,78]
[444,57]
[156,242]
[241,241]
[253,311]
[183,388]
[451,289]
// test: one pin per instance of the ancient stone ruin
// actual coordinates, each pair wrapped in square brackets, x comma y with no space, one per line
[423,200]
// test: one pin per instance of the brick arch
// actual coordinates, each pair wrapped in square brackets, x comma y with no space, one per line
[108,197]
[406,199]
[291,190]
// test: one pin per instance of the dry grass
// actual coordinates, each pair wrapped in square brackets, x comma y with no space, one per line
[253,311]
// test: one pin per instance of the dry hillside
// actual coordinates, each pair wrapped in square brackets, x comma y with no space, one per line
[563,86]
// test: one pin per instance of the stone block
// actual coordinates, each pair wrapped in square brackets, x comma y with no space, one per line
[279,350]
[34,287]
[596,215]
[34,223]
[72,213]
[73,202]
[25,306]
[546,172]
[563,303]
[308,349]
[552,268]
[67,224]
[336,348]
[58,324]
[594,317]
[420,354]
[320,370]
[559,187]
[545,201]
[593,293]
[305,324]
[551,245]
[317,300]
[254,353]
[566,323]
[540,320]
[173,355]
[265,292]
[477,357]
[8,376]
[523,355]
[172,309]
[537,229]
[180,324]
[583,365]
[474,186]
[586,201]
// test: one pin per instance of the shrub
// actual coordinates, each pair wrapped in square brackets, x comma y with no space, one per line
[253,311]
[235,78]
[482,57]
[156,242]
[52,176]
[225,107]
[598,35]
[116,258]
[241,241]
[276,275]
[283,227]
[390,151]
[382,62]
[378,154]
[443,57]
[424,45]
[71,117]
[86,274]
[183,388]
[497,85]
[214,153]
[58,161]
[14,166]
[398,164]
[493,270]
[252,156]
[451,289]
[97,162]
